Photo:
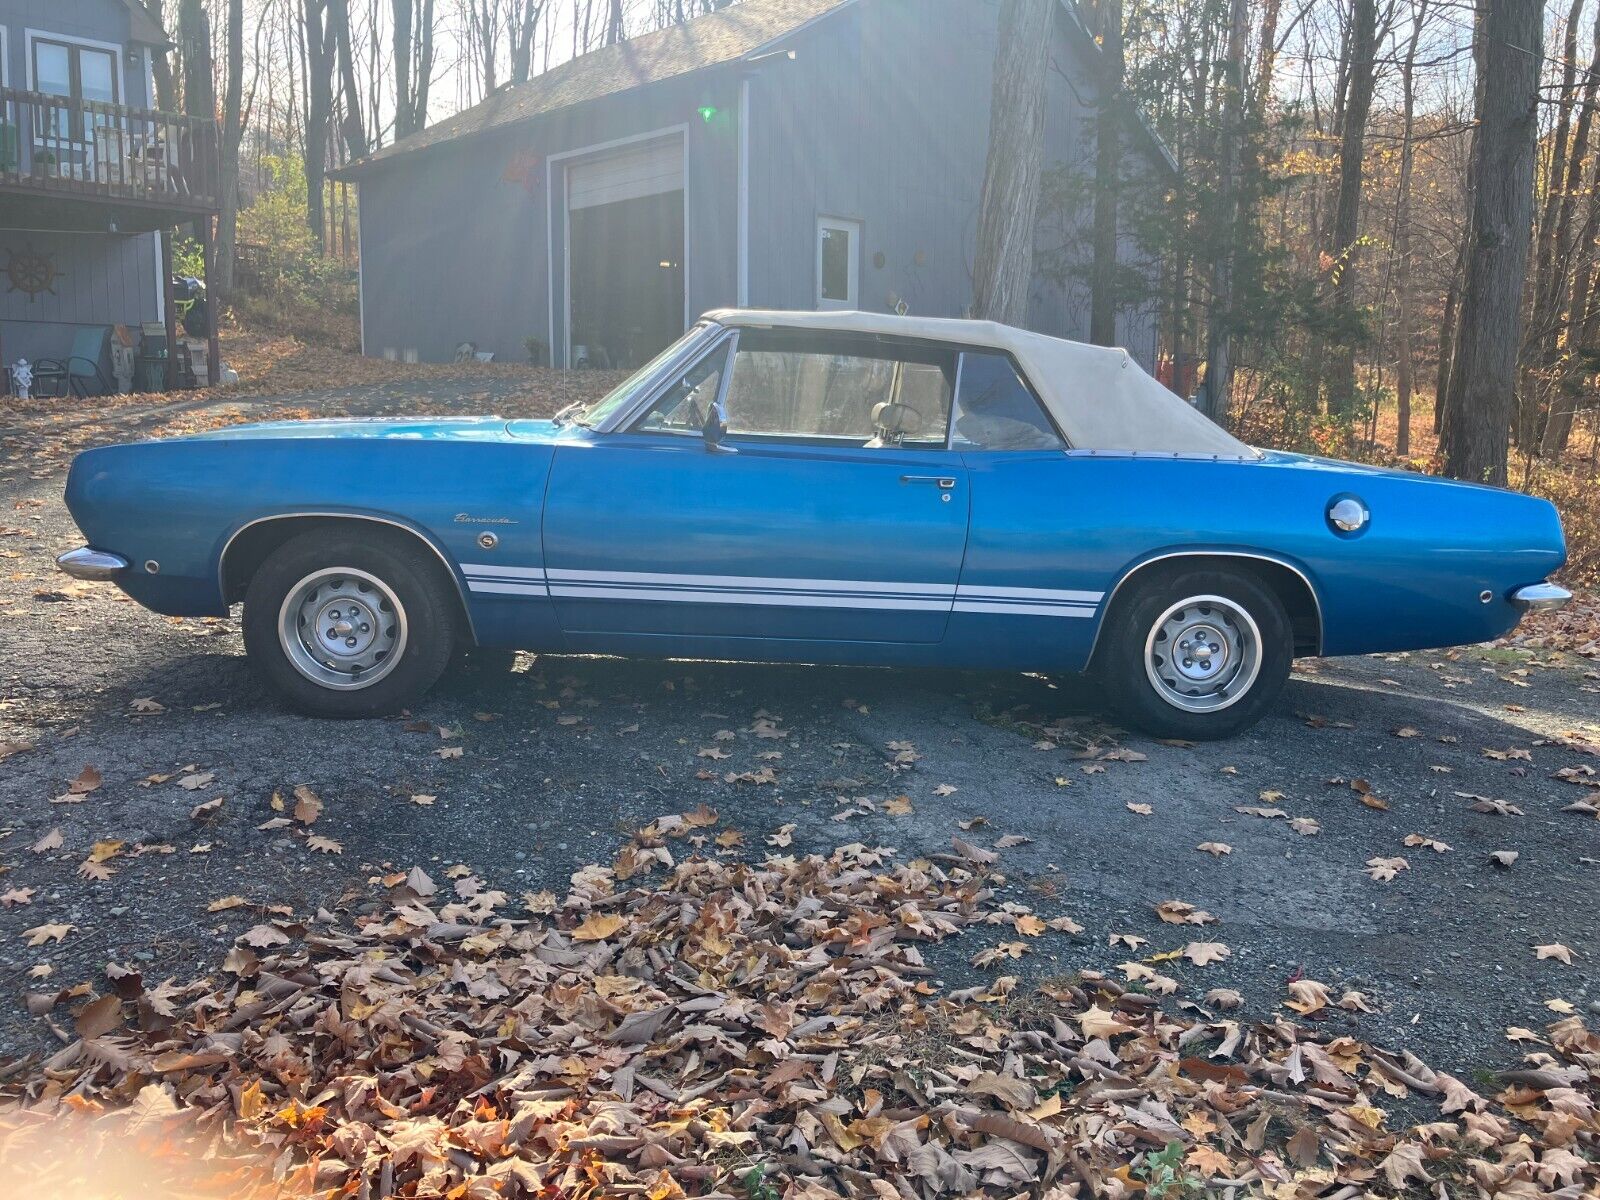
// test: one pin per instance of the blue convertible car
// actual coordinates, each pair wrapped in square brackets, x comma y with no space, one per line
[816,487]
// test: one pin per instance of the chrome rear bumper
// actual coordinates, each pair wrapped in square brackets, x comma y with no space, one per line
[84,563]
[1540,597]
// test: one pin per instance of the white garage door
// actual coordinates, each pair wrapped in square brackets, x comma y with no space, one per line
[626,174]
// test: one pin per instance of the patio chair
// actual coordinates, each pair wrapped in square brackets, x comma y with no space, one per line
[69,375]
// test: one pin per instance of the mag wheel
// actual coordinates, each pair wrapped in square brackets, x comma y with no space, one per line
[349,626]
[1198,654]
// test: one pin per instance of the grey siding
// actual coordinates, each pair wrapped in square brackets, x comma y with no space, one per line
[882,117]
[455,248]
[94,20]
[104,279]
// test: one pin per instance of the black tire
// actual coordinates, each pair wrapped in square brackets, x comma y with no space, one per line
[1133,624]
[427,603]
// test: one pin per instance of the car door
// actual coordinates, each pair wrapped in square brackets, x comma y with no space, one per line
[808,521]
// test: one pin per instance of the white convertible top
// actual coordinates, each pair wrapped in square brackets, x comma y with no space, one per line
[1100,397]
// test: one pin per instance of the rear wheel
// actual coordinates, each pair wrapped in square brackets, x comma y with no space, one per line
[1198,654]
[349,626]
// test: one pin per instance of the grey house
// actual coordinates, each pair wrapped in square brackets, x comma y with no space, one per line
[90,174]
[780,153]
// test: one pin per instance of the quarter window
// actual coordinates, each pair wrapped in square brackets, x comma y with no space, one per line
[684,406]
[857,391]
[996,410]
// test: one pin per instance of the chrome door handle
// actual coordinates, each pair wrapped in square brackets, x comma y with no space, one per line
[943,481]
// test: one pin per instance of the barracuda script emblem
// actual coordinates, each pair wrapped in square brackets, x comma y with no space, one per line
[470,519]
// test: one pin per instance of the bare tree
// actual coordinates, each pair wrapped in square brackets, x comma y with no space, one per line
[233,118]
[1405,378]
[1008,211]
[318,45]
[1343,245]
[1107,172]
[351,127]
[1219,331]
[1507,47]
[413,63]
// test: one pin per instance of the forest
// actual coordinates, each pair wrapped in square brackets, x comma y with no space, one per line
[1366,250]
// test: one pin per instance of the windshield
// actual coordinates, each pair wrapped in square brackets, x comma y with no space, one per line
[622,397]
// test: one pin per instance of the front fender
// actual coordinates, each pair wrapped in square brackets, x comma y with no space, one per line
[181,504]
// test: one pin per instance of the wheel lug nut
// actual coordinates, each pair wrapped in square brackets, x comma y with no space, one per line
[351,642]
[365,628]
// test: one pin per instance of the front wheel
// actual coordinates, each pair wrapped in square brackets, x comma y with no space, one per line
[1198,654]
[349,626]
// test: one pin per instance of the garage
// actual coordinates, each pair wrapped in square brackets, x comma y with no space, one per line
[625,253]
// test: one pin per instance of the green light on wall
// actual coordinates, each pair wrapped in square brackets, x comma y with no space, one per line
[707,112]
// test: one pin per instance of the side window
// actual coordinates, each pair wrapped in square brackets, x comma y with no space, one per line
[683,407]
[995,410]
[856,391]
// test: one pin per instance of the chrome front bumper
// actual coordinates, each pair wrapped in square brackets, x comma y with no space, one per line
[1540,597]
[84,563]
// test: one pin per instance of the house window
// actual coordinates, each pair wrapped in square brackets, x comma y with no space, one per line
[838,263]
[75,72]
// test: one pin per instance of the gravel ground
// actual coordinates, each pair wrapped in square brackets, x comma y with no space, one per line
[560,757]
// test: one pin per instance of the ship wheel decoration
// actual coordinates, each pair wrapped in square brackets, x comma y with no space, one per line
[32,273]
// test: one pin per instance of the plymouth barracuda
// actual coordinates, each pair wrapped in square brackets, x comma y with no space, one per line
[816,487]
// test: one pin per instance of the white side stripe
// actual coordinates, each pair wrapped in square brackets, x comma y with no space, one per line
[1027,610]
[779,591]
[750,582]
[508,589]
[973,591]
[769,599]
[511,572]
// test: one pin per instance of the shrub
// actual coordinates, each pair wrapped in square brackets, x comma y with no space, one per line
[297,289]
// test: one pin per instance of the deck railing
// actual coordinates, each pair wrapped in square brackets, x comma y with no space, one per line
[91,149]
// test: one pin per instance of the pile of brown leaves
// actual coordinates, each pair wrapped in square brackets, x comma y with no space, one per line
[702,1026]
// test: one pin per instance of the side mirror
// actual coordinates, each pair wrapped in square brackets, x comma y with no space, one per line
[715,429]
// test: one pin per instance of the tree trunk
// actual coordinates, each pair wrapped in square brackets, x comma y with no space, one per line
[354,131]
[403,121]
[319,45]
[1405,381]
[194,54]
[1347,212]
[166,97]
[232,131]
[1003,267]
[1547,269]
[522,37]
[413,63]
[1107,167]
[1508,48]
[1578,350]
[1447,333]
[1220,322]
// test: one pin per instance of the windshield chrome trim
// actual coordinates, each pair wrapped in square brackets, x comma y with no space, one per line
[698,339]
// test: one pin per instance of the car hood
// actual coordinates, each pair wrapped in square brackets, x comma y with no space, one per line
[421,429]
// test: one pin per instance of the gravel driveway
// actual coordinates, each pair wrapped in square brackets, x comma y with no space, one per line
[159,779]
